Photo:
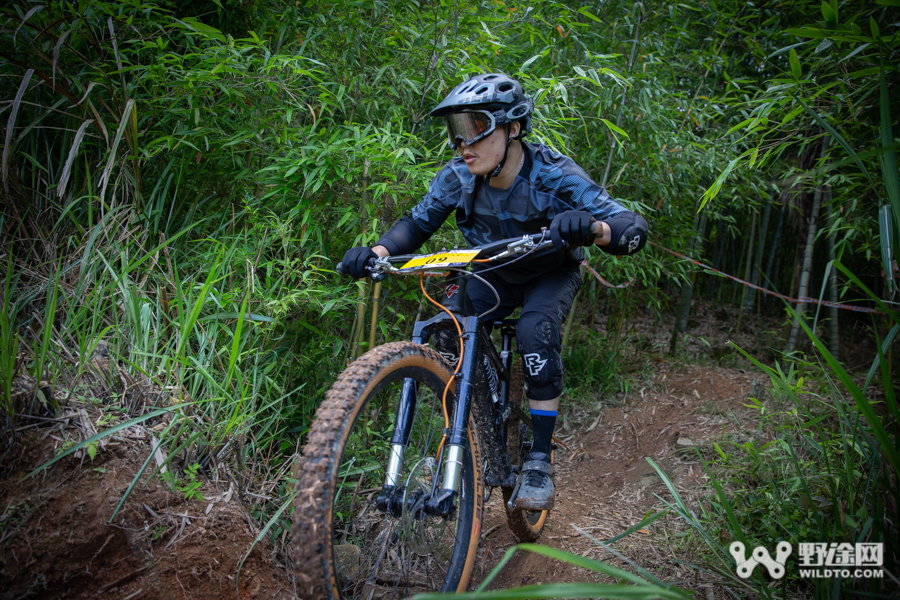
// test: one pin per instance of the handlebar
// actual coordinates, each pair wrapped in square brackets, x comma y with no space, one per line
[527,244]
[379,268]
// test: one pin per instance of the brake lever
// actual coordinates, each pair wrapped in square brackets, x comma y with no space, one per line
[526,244]
[375,266]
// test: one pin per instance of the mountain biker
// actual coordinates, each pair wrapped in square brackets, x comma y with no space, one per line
[501,187]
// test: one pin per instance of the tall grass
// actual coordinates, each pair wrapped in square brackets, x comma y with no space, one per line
[825,471]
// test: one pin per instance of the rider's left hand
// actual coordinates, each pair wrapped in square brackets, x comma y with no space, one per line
[572,227]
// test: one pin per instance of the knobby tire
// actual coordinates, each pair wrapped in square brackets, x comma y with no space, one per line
[343,546]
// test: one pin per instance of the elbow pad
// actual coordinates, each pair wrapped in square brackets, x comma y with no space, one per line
[629,233]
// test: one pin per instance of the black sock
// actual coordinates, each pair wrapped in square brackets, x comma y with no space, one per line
[543,422]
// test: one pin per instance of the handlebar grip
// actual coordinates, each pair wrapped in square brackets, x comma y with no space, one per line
[342,270]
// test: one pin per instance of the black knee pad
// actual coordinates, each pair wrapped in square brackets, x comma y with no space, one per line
[537,337]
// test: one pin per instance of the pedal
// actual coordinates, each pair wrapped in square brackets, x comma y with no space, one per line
[511,503]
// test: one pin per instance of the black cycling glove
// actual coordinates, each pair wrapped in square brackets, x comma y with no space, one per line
[572,227]
[354,261]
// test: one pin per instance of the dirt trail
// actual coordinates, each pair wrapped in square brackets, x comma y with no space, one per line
[56,540]
[607,486]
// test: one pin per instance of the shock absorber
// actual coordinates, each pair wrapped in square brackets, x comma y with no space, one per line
[492,378]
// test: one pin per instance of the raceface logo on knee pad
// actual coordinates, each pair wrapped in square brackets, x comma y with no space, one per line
[534,363]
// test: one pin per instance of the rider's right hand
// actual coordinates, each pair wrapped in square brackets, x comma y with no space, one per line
[354,261]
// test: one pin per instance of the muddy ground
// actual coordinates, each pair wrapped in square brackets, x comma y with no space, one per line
[57,540]
[605,484]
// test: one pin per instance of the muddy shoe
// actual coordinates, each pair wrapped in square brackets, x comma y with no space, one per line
[537,491]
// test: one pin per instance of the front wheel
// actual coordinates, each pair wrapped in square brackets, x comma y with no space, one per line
[344,547]
[526,525]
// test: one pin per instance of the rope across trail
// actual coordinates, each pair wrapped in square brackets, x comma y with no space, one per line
[800,300]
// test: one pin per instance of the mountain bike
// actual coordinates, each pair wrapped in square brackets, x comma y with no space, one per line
[403,450]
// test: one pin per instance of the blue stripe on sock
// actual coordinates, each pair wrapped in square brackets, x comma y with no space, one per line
[543,413]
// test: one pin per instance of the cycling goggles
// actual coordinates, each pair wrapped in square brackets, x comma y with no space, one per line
[469,127]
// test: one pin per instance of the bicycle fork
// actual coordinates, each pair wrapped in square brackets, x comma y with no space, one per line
[440,502]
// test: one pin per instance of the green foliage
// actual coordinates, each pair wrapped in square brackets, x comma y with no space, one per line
[189,485]
[823,470]
[180,178]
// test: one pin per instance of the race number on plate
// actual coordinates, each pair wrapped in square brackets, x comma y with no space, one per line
[454,258]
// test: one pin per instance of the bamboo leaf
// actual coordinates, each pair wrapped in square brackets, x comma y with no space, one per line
[795,65]
[56,48]
[740,125]
[886,237]
[11,125]
[884,348]
[615,129]
[585,12]
[888,162]
[840,140]
[828,13]
[104,178]
[73,152]
[25,20]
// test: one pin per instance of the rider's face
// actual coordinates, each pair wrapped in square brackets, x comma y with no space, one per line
[483,156]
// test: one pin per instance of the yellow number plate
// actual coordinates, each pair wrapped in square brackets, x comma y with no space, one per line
[454,258]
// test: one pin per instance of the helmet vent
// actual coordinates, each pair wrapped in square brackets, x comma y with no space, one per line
[482,89]
[490,77]
[505,87]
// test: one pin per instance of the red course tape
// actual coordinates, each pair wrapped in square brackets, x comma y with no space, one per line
[801,300]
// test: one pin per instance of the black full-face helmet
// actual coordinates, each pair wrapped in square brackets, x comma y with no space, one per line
[475,107]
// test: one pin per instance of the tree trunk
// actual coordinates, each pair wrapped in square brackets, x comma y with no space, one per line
[800,308]
[834,333]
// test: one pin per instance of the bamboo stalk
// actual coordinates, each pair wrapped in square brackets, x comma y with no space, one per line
[687,288]
[612,148]
[358,329]
[799,308]
[750,293]
[353,341]
[418,318]
[376,296]
[752,241]
[834,332]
